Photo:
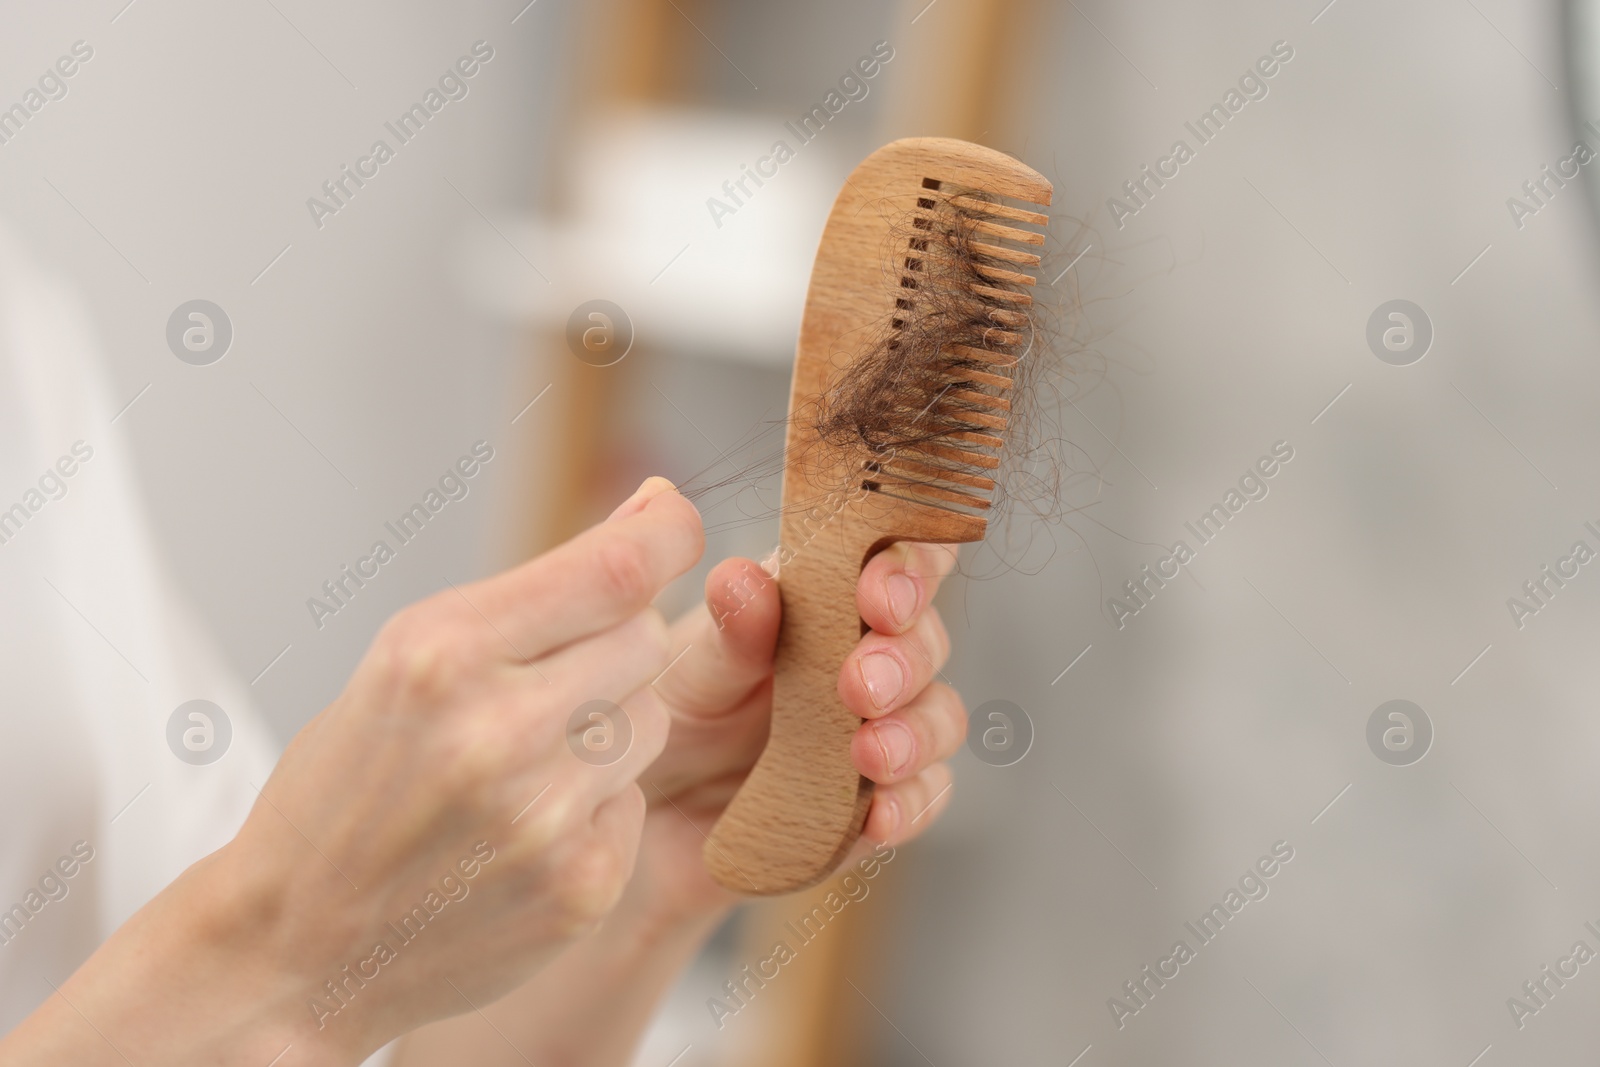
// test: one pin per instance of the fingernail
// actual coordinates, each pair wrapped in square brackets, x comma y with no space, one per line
[896,742]
[883,676]
[902,596]
[651,487]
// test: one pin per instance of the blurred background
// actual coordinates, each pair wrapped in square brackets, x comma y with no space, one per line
[1240,306]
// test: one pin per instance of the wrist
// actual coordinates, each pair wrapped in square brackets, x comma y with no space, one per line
[193,977]
[224,938]
[248,960]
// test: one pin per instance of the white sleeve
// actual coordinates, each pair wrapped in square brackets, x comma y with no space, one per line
[97,649]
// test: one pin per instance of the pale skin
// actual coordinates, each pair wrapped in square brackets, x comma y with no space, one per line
[575,892]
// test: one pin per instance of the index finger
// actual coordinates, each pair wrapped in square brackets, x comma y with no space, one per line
[604,575]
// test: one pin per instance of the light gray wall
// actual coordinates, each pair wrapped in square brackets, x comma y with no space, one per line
[190,143]
[1227,714]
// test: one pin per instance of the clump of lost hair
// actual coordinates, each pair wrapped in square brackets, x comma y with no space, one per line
[943,406]
[916,413]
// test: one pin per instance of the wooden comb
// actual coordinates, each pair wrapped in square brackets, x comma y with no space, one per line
[956,256]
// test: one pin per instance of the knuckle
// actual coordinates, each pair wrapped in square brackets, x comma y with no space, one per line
[624,571]
[544,824]
[420,656]
[469,764]
[588,885]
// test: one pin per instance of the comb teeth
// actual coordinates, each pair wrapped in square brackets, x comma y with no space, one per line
[1009,233]
[1009,255]
[978,377]
[960,328]
[1004,296]
[997,274]
[1000,211]
[923,469]
[972,396]
[971,295]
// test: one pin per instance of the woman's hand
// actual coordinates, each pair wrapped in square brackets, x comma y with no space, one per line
[453,737]
[425,844]
[719,695]
[590,1006]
